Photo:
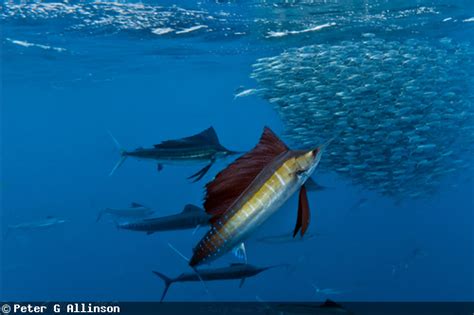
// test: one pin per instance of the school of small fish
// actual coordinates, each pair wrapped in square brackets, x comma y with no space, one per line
[401,111]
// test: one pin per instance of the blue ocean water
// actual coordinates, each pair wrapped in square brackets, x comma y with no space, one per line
[157,70]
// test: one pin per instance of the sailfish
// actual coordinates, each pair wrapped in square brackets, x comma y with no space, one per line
[246,193]
[203,147]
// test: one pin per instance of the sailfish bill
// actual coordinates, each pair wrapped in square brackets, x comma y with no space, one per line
[246,193]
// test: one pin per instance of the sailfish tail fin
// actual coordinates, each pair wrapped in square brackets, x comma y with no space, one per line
[123,155]
[167,282]
[119,163]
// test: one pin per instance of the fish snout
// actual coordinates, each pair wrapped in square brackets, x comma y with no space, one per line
[318,152]
[322,147]
[275,266]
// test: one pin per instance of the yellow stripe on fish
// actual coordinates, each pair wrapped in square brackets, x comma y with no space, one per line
[273,186]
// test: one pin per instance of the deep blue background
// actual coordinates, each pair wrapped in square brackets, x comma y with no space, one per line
[56,156]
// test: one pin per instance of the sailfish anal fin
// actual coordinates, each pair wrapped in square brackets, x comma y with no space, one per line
[231,182]
[302,221]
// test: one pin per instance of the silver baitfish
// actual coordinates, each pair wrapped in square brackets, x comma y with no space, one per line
[402,110]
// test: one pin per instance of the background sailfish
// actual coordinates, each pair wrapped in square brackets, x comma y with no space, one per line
[250,190]
[203,147]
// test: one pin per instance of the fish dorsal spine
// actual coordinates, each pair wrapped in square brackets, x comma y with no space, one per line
[191,208]
[206,137]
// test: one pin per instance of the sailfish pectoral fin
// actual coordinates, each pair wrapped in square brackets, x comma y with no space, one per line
[200,174]
[242,282]
[302,221]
